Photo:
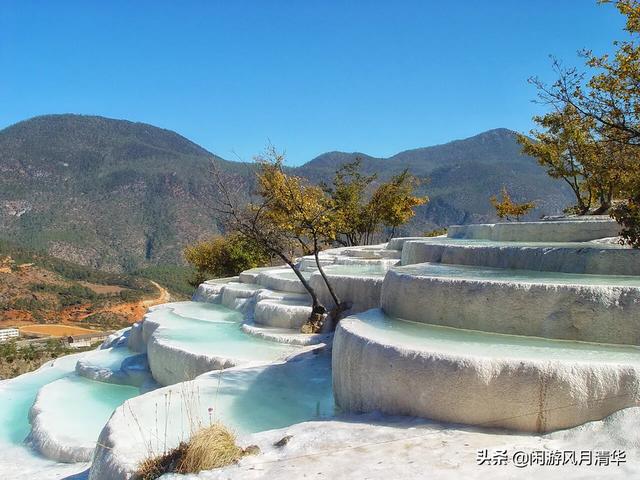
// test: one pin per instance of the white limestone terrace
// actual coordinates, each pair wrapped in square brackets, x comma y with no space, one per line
[101,381]
[248,400]
[566,230]
[474,373]
[477,378]
[272,298]
[38,430]
[594,308]
[363,446]
[133,371]
[185,339]
[69,434]
[359,285]
[381,447]
[569,257]
[257,372]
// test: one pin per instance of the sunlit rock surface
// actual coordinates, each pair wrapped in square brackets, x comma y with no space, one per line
[491,380]
[548,231]
[574,307]
[586,257]
[246,399]
[357,285]
[382,447]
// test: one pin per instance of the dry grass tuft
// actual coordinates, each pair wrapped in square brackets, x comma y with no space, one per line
[154,467]
[208,448]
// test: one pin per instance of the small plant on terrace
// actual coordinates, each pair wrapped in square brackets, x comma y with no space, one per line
[507,208]
[224,256]
[213,446]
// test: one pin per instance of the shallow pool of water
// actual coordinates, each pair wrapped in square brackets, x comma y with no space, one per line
[16,398]
[449,340]
[373,269]
[77,408]
[246,400]
[465,272]
[215,330]
[276,396]
[18,394]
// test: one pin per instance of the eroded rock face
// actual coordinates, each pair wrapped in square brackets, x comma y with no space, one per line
[539,305]
[444,375]
[362,292]
[585,258]
[547,231]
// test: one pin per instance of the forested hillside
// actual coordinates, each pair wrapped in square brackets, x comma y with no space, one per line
[124,196]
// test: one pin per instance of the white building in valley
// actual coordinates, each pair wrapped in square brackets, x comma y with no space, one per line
[8,333]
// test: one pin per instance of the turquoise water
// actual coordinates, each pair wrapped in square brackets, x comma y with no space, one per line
[212,329]
[246,400]
[277,396]
[440,270]
[449,340]
[74,409]
[84,411]
[287,274]
[198,327]
[18,394]
[91,402]
[375,270]
[495,243]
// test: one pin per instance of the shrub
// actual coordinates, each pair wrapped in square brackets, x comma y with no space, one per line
[628,215]
[225,256]
[211,447]
[208,448]
[154,467]
[507,208]
[435,233]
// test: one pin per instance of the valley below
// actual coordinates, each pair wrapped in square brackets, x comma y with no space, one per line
[55,313]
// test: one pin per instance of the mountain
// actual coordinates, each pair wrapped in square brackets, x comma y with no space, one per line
[107,193]
[121,196]
[459,178]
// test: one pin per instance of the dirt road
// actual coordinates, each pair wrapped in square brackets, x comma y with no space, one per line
[164,296]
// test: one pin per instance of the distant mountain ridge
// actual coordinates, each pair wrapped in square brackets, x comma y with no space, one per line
[120,195]
[490,147]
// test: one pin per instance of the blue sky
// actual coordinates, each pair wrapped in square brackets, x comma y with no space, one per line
[309,76]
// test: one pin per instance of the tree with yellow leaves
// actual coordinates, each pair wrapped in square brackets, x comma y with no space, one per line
[289,215]
[224,256]
[393,203]
[286,216]
[302,212]
[507,208]
[363,210]
[567,150]
[609,102]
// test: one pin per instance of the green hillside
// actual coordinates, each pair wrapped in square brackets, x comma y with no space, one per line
[122,196]
[107,193]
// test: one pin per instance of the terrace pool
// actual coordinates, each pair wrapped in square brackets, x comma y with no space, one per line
[211,329]
[448,340]
[440,270]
